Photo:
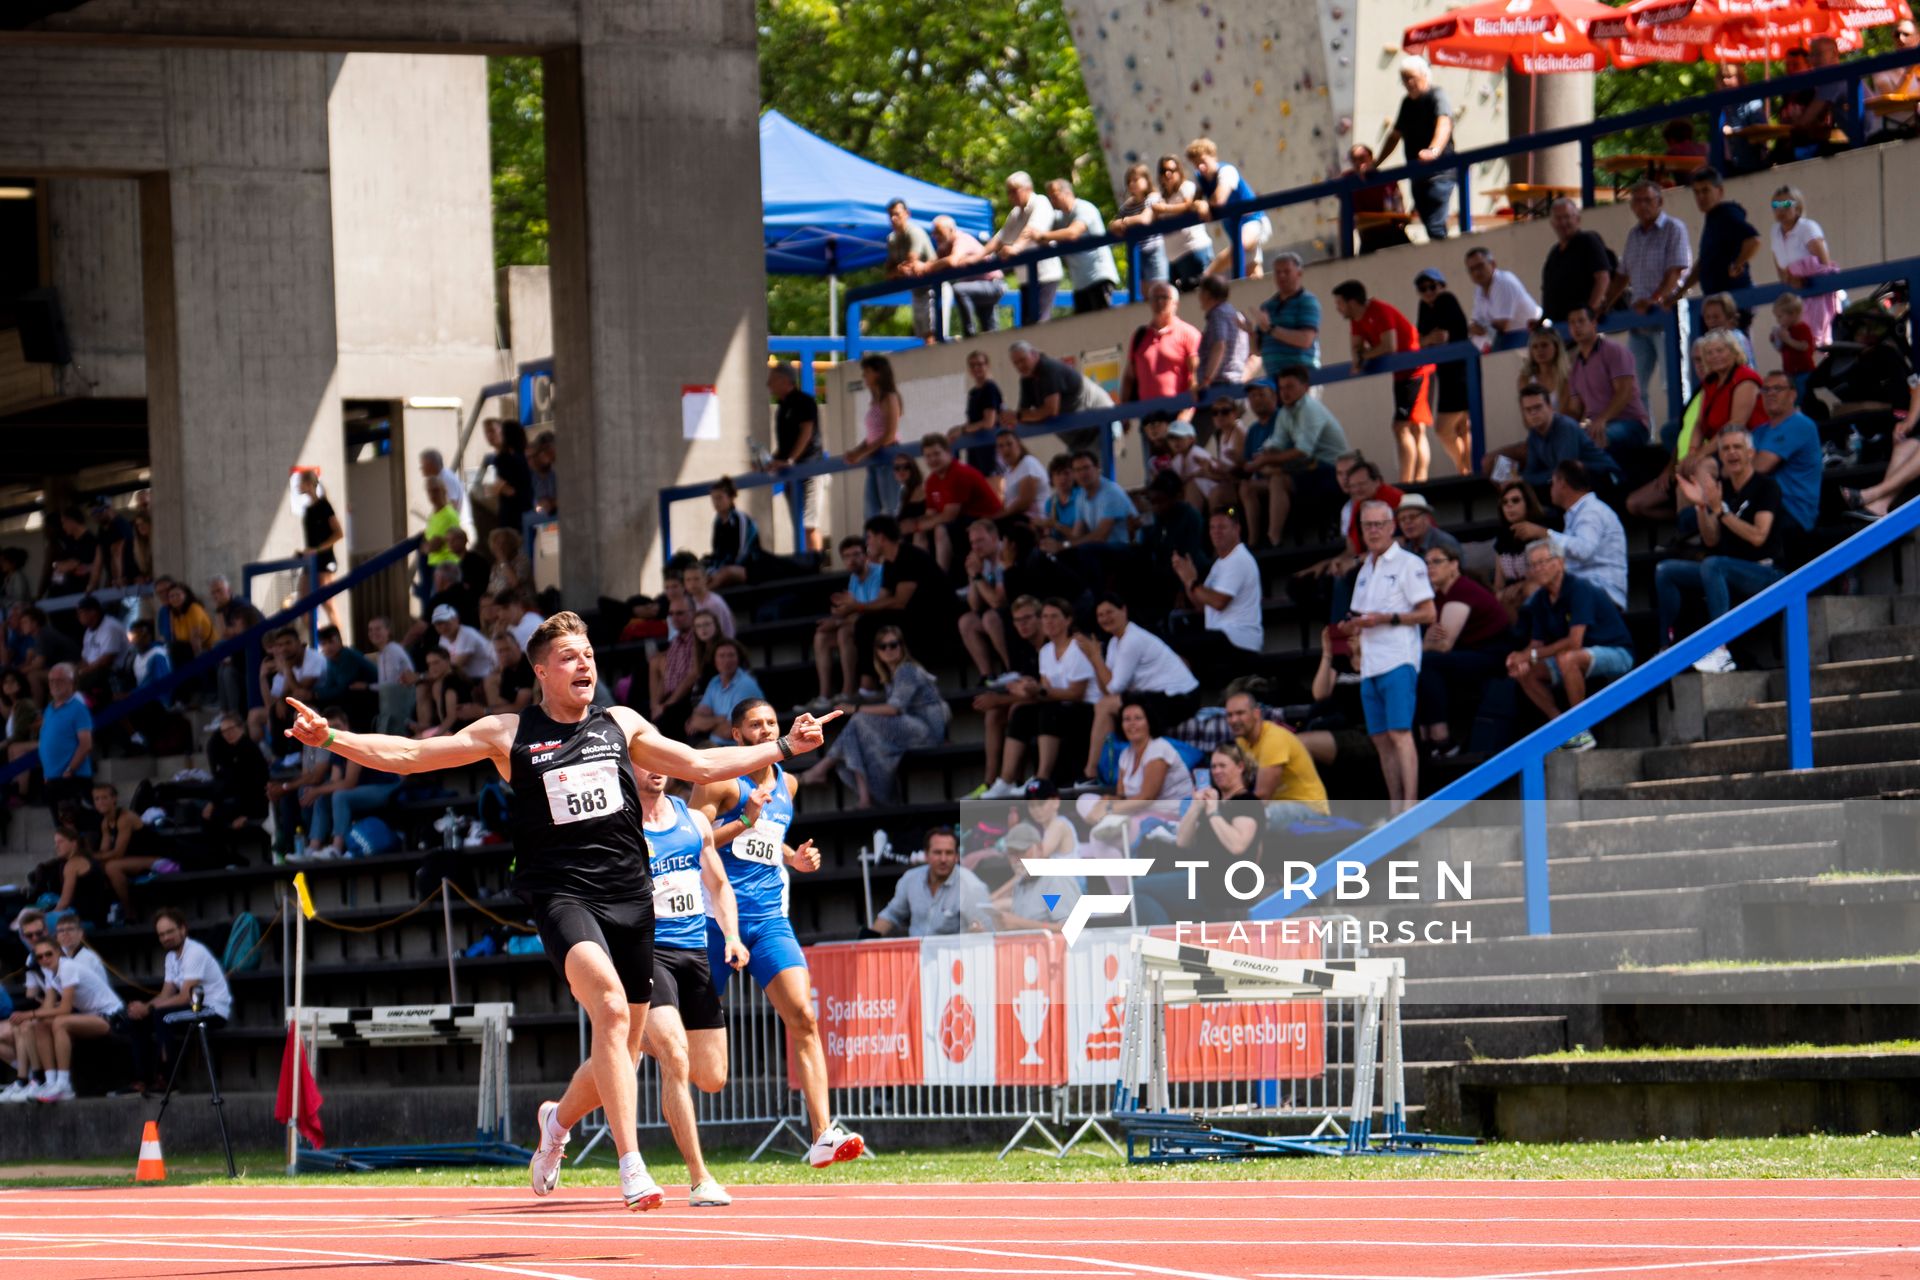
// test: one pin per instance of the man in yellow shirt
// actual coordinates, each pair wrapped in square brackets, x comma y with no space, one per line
[1287,779]
[444,520]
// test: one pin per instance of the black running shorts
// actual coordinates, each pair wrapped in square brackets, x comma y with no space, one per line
[681,979]
[624,930]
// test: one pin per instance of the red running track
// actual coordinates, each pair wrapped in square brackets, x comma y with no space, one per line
[1756,1230]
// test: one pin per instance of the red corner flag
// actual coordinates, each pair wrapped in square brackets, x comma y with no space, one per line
[294,1060]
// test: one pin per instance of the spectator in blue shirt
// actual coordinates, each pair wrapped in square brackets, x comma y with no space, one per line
[731,685]
[1788,449]
[1289,324]
[66,740]
[1577,639]
[1105,509]
[1552,438]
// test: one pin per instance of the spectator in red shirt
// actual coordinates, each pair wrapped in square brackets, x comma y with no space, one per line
[957,494]
[1380,329]
[1163,353]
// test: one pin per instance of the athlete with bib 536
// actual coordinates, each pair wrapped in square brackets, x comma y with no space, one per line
[582,859]
[750,817]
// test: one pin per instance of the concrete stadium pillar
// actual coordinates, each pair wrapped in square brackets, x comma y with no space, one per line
[1536,103]
[237,265]
[653,162]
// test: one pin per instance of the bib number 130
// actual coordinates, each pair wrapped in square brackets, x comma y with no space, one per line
[581,792]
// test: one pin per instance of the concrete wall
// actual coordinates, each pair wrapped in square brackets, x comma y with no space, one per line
[1284,87]
[95,243]
[412,202]
[1863,225]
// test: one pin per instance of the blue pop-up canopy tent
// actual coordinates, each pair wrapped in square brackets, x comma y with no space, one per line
[825,209]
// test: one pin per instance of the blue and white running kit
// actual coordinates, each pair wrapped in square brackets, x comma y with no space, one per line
[681,977]
[756,866]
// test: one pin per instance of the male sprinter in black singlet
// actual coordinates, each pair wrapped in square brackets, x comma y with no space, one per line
[582,860]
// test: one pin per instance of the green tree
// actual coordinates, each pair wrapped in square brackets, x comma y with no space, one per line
[959,95]
[517,118]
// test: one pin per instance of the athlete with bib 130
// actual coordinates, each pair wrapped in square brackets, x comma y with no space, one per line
[581,855]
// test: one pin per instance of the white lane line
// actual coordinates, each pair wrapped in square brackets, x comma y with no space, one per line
[571,1220]
[227,1260]
[946,1192]
[1677,1266]
[342,1255]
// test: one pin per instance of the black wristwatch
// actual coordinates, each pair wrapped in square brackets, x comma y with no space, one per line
[786,748]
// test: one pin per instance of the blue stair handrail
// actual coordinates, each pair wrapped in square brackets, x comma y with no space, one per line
[1527,757]
[163,688]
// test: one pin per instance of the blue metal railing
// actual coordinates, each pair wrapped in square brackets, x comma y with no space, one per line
[1527,757]
[1459,164]
[209,661]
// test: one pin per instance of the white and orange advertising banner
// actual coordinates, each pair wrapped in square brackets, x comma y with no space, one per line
[1025,1009]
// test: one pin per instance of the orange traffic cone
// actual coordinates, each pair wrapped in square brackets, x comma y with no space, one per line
[152,1167]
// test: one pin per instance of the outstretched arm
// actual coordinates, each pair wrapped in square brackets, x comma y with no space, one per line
[490,738]
[657,753]
[720,892]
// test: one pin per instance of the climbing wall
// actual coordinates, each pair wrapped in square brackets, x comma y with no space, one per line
[1275,83]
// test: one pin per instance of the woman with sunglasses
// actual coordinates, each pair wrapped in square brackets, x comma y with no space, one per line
[878,735]
[1546,363]
[1190,249]
[1137,211]
[1800,254]
[1440,320]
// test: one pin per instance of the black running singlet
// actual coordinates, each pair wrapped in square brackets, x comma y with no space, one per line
[576,810]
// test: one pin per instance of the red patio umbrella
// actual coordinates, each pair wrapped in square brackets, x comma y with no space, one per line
[1539,37]
[1715,30]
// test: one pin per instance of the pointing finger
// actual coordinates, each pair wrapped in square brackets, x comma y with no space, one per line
[830,716]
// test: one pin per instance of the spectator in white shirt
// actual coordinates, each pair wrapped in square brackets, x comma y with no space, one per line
[1230,599]
[1029,215]
[77,1004]
[1091,273]
[1392,600]
[1501,304]
[1052,711]
[516,611]
[1153,779]
[470,652]
[1593,541]
[1137,667]
[390,658]
[103,641]
[291,670]
[192,975]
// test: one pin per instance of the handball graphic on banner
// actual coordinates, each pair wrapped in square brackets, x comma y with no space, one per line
[1026,1009]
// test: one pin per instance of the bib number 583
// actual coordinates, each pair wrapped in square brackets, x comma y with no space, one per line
[586,803]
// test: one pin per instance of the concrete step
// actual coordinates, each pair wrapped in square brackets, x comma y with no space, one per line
[1777,786]
[1873,744]
[1663,871]
[1453,1039]
[124,772]
[1839,711]
[1617,913]
[1880,642]
[1558,953]
[1865,675]
[1699,826]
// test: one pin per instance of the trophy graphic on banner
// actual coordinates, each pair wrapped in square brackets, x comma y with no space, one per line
[1030,1008]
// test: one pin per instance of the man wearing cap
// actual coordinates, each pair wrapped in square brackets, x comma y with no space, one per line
[1023,902]
[470,652]
[1418,533]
